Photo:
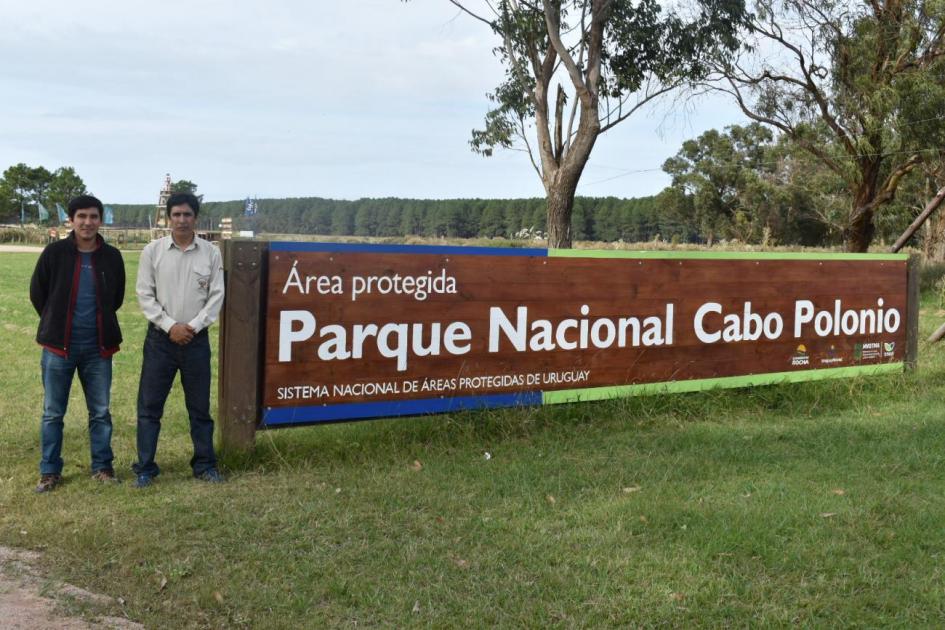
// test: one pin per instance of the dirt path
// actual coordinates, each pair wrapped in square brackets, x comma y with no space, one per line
[21,248]
[29,601]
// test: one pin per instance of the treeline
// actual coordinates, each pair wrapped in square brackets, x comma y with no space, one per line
[595,218]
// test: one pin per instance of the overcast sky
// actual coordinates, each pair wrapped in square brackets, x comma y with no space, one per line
[283,98]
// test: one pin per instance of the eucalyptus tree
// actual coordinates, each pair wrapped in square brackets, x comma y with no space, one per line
[576,68]
[845,80]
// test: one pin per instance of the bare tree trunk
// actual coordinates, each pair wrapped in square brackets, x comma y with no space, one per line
[859,233]
[860,228]
[934,241]
[560,198]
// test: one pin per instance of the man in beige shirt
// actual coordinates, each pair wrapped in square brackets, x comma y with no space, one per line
[180,290]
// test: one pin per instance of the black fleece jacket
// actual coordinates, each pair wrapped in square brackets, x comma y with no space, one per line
[54,289]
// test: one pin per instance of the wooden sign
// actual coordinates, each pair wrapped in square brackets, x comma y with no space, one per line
[363,331]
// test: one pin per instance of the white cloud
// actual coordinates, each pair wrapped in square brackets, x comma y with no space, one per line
[284,98]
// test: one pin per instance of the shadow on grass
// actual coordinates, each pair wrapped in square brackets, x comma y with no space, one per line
[400,438]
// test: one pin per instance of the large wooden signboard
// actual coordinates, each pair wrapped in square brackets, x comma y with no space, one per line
[359,331]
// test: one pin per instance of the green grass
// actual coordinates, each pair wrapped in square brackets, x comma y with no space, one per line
[817,504]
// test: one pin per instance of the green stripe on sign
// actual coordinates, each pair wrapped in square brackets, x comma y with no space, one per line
[677,387]
[697,255]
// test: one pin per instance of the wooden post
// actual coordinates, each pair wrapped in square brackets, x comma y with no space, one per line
[938,334]
[912,313]
[241,343]
[919,220]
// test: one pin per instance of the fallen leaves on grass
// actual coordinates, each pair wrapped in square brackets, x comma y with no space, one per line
[217,595]
[416,466]
[839,492]
[462,564]
[827,514]
[677,597]
[550,499]
[416,607]
[631,489]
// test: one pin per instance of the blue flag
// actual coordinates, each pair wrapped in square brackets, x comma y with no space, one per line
[43,212]
[109,215]
[63,217]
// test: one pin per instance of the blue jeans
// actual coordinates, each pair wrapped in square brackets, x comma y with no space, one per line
[95,374]
[163,359]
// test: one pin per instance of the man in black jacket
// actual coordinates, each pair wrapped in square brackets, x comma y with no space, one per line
[76,288]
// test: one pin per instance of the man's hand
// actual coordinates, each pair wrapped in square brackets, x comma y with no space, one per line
[181,334]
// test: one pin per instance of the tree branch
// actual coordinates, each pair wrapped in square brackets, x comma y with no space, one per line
[462,8]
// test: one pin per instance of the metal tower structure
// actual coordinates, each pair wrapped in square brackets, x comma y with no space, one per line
[160,213]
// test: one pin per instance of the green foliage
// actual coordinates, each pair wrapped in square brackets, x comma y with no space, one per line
[599,60]
[184,186]
[640,43]
[605,218]
[22,186]
[65,185]
[741,185]
[858,85]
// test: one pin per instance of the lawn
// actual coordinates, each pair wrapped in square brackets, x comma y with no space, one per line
[817,504]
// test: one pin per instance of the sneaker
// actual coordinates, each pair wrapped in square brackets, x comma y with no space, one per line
[143,481]
[211,476]
[105,476]
[48,482]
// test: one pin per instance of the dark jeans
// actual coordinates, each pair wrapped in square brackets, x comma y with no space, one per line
[163,359]
[95,374]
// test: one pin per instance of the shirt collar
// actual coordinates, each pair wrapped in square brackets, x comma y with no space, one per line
[171,244]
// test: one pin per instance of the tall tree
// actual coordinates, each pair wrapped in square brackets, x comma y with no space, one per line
[836,77]
[65,185]
[184,186]
[715,169]
[22,186]
[40,179]
[15,189]
[576,68]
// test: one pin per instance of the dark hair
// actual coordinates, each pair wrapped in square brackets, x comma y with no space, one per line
[85,201]
[179,199]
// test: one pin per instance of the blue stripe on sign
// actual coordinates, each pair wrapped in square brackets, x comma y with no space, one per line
[281,246]
[282,416]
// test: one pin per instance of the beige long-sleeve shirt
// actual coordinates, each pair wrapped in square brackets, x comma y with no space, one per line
[180,285]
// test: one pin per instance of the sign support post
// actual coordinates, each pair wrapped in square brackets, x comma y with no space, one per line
[240,355]
[911,358]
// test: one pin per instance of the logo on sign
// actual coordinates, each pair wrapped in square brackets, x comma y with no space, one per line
[868,350]
[889,348]
[831,357]
[800,356]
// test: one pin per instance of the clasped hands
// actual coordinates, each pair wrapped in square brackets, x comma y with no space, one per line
[181,334]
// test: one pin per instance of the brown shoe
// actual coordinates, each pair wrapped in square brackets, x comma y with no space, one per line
[105,475]
[48,482]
